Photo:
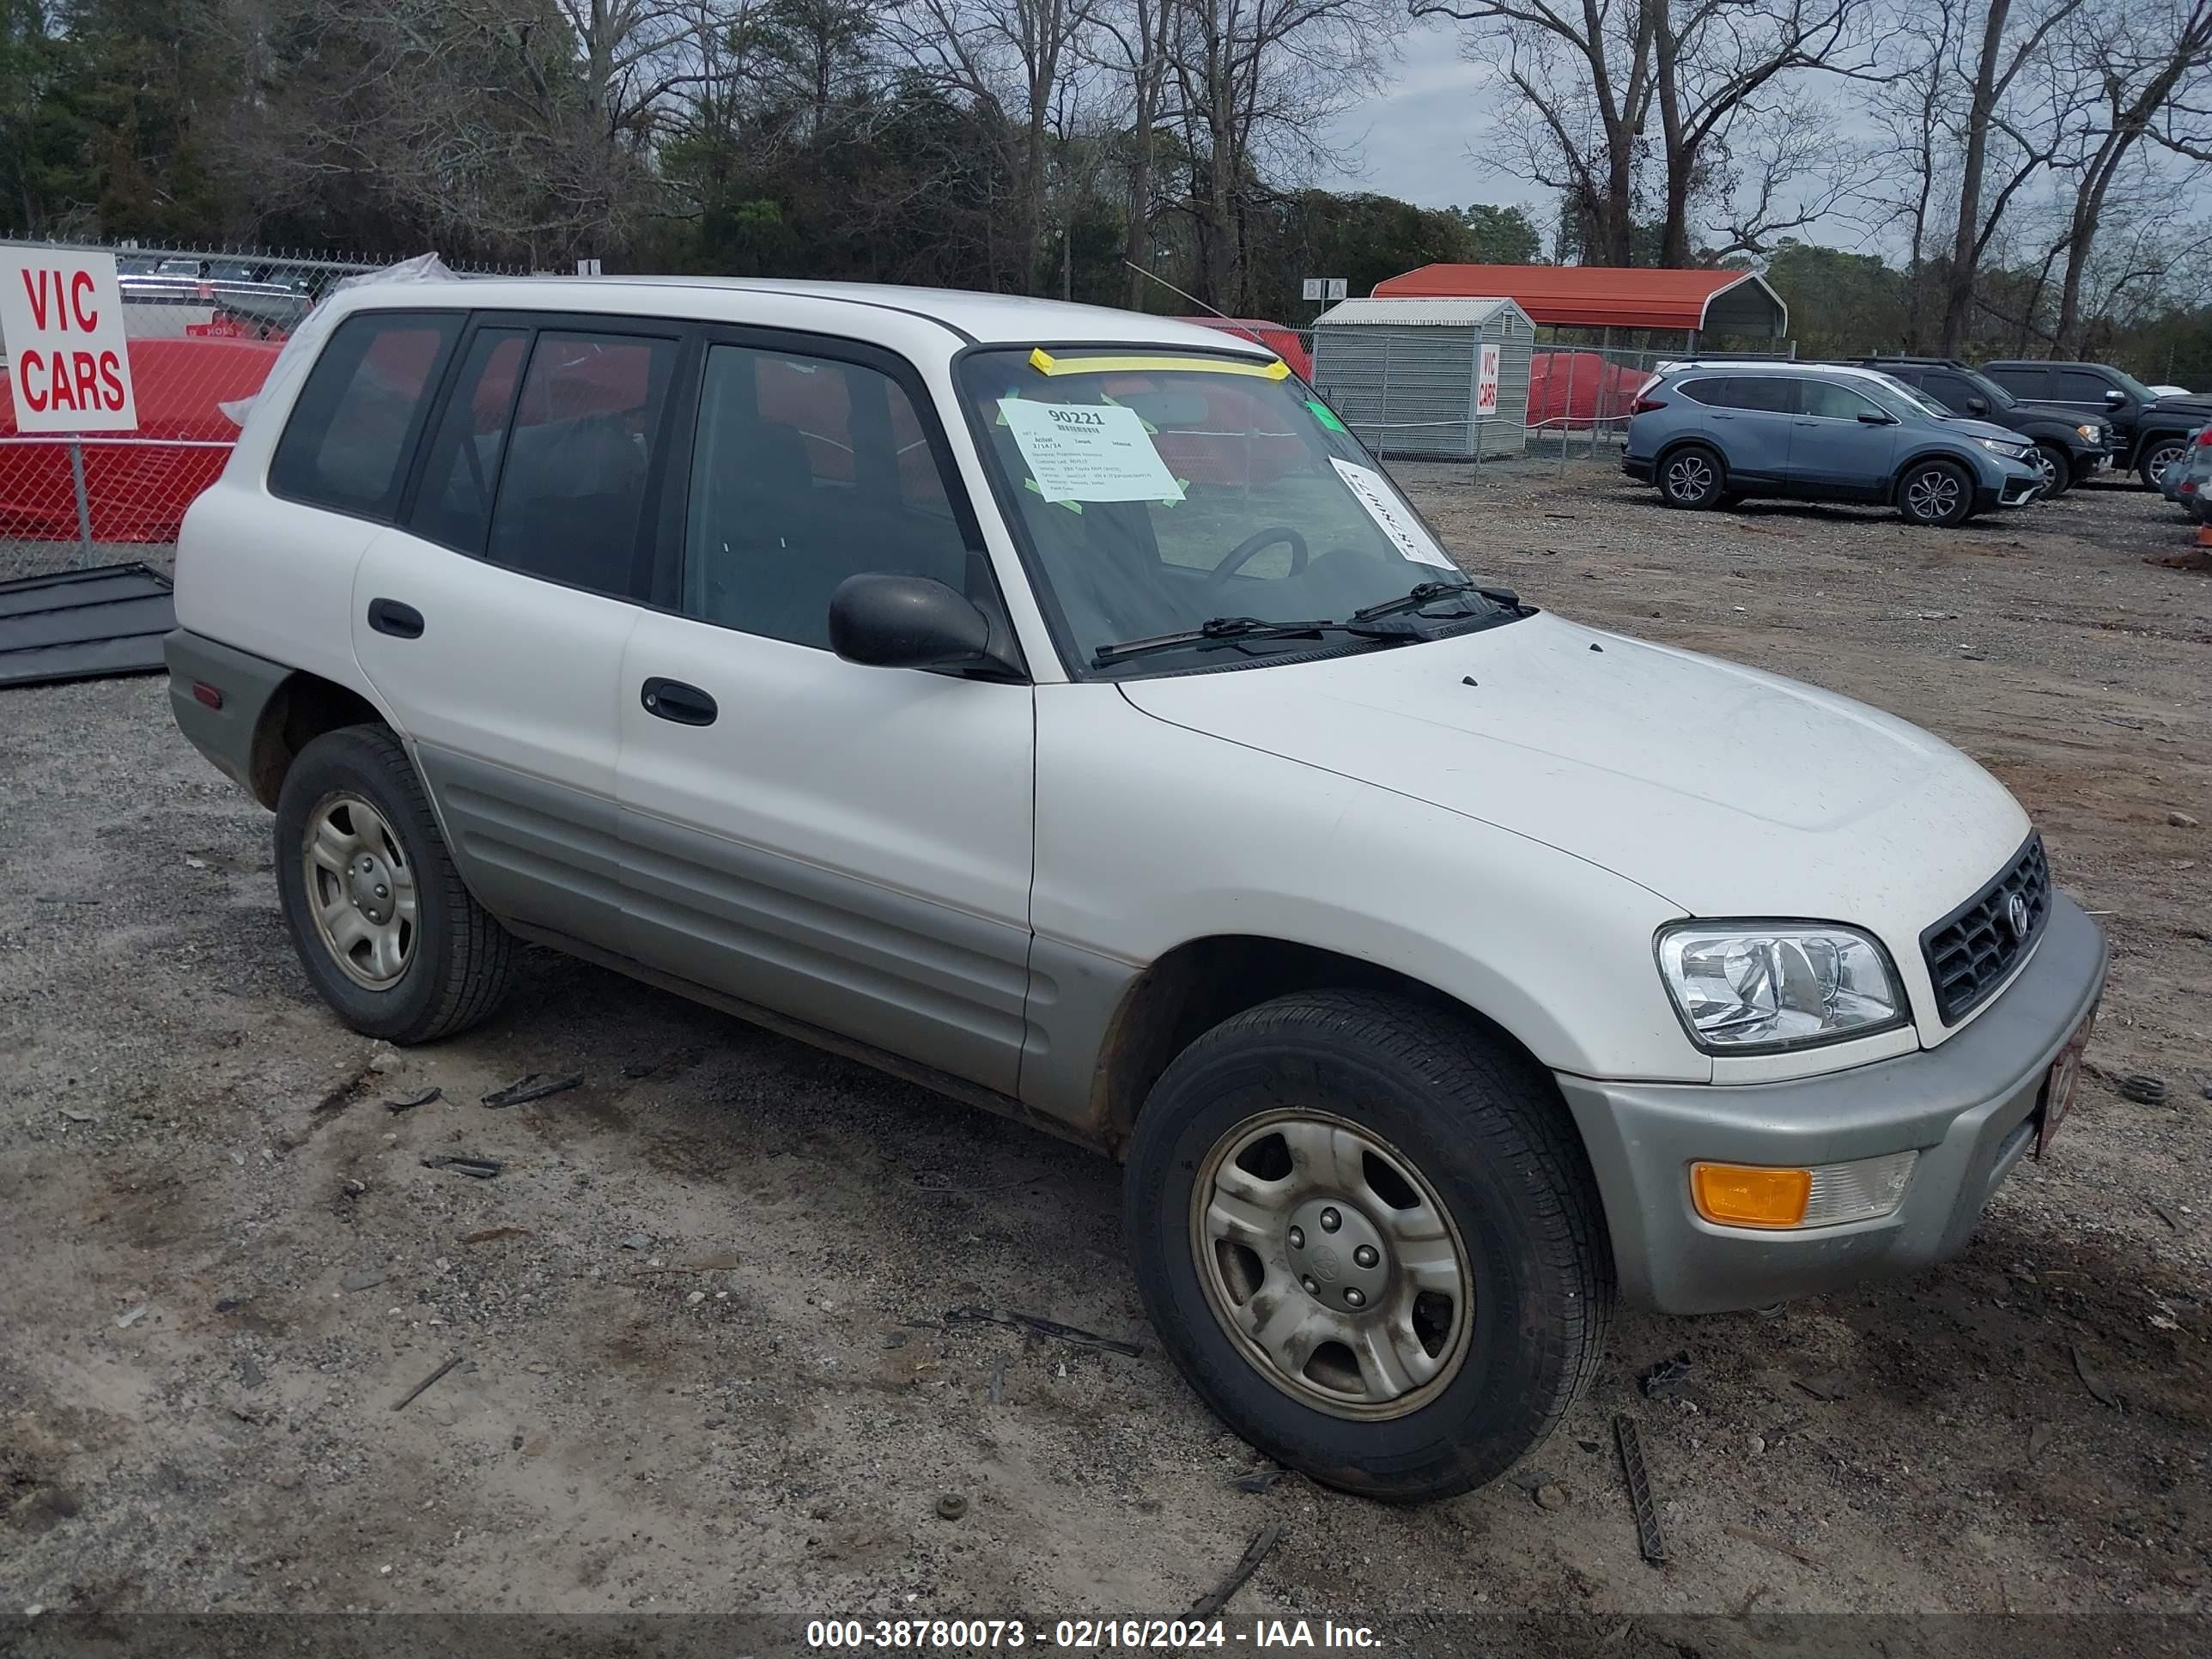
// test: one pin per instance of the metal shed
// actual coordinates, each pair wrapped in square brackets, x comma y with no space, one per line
[1405,374]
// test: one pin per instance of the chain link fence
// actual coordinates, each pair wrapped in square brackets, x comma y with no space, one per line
[203,326]
[1580,399]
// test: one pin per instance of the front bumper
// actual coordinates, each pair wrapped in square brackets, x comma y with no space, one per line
[1969,1106]
[2020,486]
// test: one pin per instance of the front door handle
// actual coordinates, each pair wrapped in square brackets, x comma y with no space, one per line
[672,700]
[401,622]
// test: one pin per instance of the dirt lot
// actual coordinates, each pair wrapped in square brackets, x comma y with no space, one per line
[703,1369]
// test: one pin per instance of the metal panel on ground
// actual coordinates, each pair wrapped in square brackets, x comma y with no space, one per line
[84,624]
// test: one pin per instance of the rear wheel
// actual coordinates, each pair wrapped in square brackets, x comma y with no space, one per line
[387,932]
[2058,469]
[1936,493]
[1368,1237]
[1692,477]
[2157,455]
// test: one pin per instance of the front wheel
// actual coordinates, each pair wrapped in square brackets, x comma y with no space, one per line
[1369,1239]
[2158,454]
[1936,493]
[2058,469]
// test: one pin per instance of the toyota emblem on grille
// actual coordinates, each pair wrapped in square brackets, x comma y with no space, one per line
[2016,915]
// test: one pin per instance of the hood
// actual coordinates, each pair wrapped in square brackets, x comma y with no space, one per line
[2058,412]
[2196,404]
[1726,791]
[1972,427]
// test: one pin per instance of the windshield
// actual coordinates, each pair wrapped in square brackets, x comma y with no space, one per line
[2136,388]
[1166,491]
[1898,398]
[1998,397]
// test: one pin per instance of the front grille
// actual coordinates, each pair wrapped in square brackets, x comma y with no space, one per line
[1972,949]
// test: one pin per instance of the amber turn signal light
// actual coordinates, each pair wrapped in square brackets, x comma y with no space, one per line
[1746,1195]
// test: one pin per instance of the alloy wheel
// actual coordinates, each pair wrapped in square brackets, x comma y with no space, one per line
[1933,495]
[1688,478]
[1332,1264]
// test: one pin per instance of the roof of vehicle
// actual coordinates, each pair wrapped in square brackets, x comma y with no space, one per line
[2046,362]
[1767,365]
[990,318]
[1875,358]
[1605,296]
[1468,311]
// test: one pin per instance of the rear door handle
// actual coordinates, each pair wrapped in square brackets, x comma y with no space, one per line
[672,700]
[401,622]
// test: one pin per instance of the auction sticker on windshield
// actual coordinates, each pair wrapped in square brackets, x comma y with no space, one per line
[1089,453]
[1367,485]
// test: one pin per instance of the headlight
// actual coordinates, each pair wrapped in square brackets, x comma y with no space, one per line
[2095,434]
[2010,451]
[1750,986]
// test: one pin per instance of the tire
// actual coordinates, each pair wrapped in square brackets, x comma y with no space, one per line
[2157,454]
[2057,470]
[1692,477]
[1936,492]
[1438,1112]
[405,981]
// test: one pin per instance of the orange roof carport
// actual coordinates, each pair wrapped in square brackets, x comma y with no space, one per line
[1609,296]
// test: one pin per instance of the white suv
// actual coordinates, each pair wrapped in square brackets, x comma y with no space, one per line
[1059,707]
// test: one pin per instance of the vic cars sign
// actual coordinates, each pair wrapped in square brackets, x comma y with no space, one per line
[61,322]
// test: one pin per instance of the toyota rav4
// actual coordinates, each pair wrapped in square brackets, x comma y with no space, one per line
[1060,708]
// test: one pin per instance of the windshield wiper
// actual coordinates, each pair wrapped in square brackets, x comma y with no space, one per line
[1430,592]
[1225,629]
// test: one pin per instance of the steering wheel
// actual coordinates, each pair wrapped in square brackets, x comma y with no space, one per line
[1240,555]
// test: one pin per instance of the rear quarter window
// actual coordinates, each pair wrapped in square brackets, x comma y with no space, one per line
[348,437]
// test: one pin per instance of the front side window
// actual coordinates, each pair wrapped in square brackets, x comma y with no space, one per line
[1831,402]
[806,471]
[571,486]
[1169,493]
[346,442]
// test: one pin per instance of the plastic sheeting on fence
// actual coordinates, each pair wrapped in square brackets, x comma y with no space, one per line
[1285,342]
[1577,390]
[137,486]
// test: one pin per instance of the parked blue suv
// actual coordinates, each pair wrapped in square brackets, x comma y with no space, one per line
[1710,434]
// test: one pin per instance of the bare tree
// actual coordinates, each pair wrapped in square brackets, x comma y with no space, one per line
[1914,105]
[2137,63]
[2013,39]
[1012,56]
[1582,75]
[1135,44]
[1722,70]
[1257,79]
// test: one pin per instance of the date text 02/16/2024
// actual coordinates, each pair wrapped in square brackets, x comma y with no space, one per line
[1084,1635]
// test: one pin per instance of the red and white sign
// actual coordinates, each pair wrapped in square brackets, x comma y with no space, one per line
[1486,381]
[61,323]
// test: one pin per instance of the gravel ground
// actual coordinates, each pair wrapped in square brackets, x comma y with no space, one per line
[700,1309]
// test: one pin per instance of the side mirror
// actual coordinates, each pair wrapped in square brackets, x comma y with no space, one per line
[1977,405]
[2114,397]
[907,621]
[1875,418]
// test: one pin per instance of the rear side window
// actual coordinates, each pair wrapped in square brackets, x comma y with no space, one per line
[460,470]
[1772,393]
[571,486]
[2028,383]
[346,442]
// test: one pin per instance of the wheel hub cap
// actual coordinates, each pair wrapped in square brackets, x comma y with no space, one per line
[1341,1259]
[359,891]
[1332,1264]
